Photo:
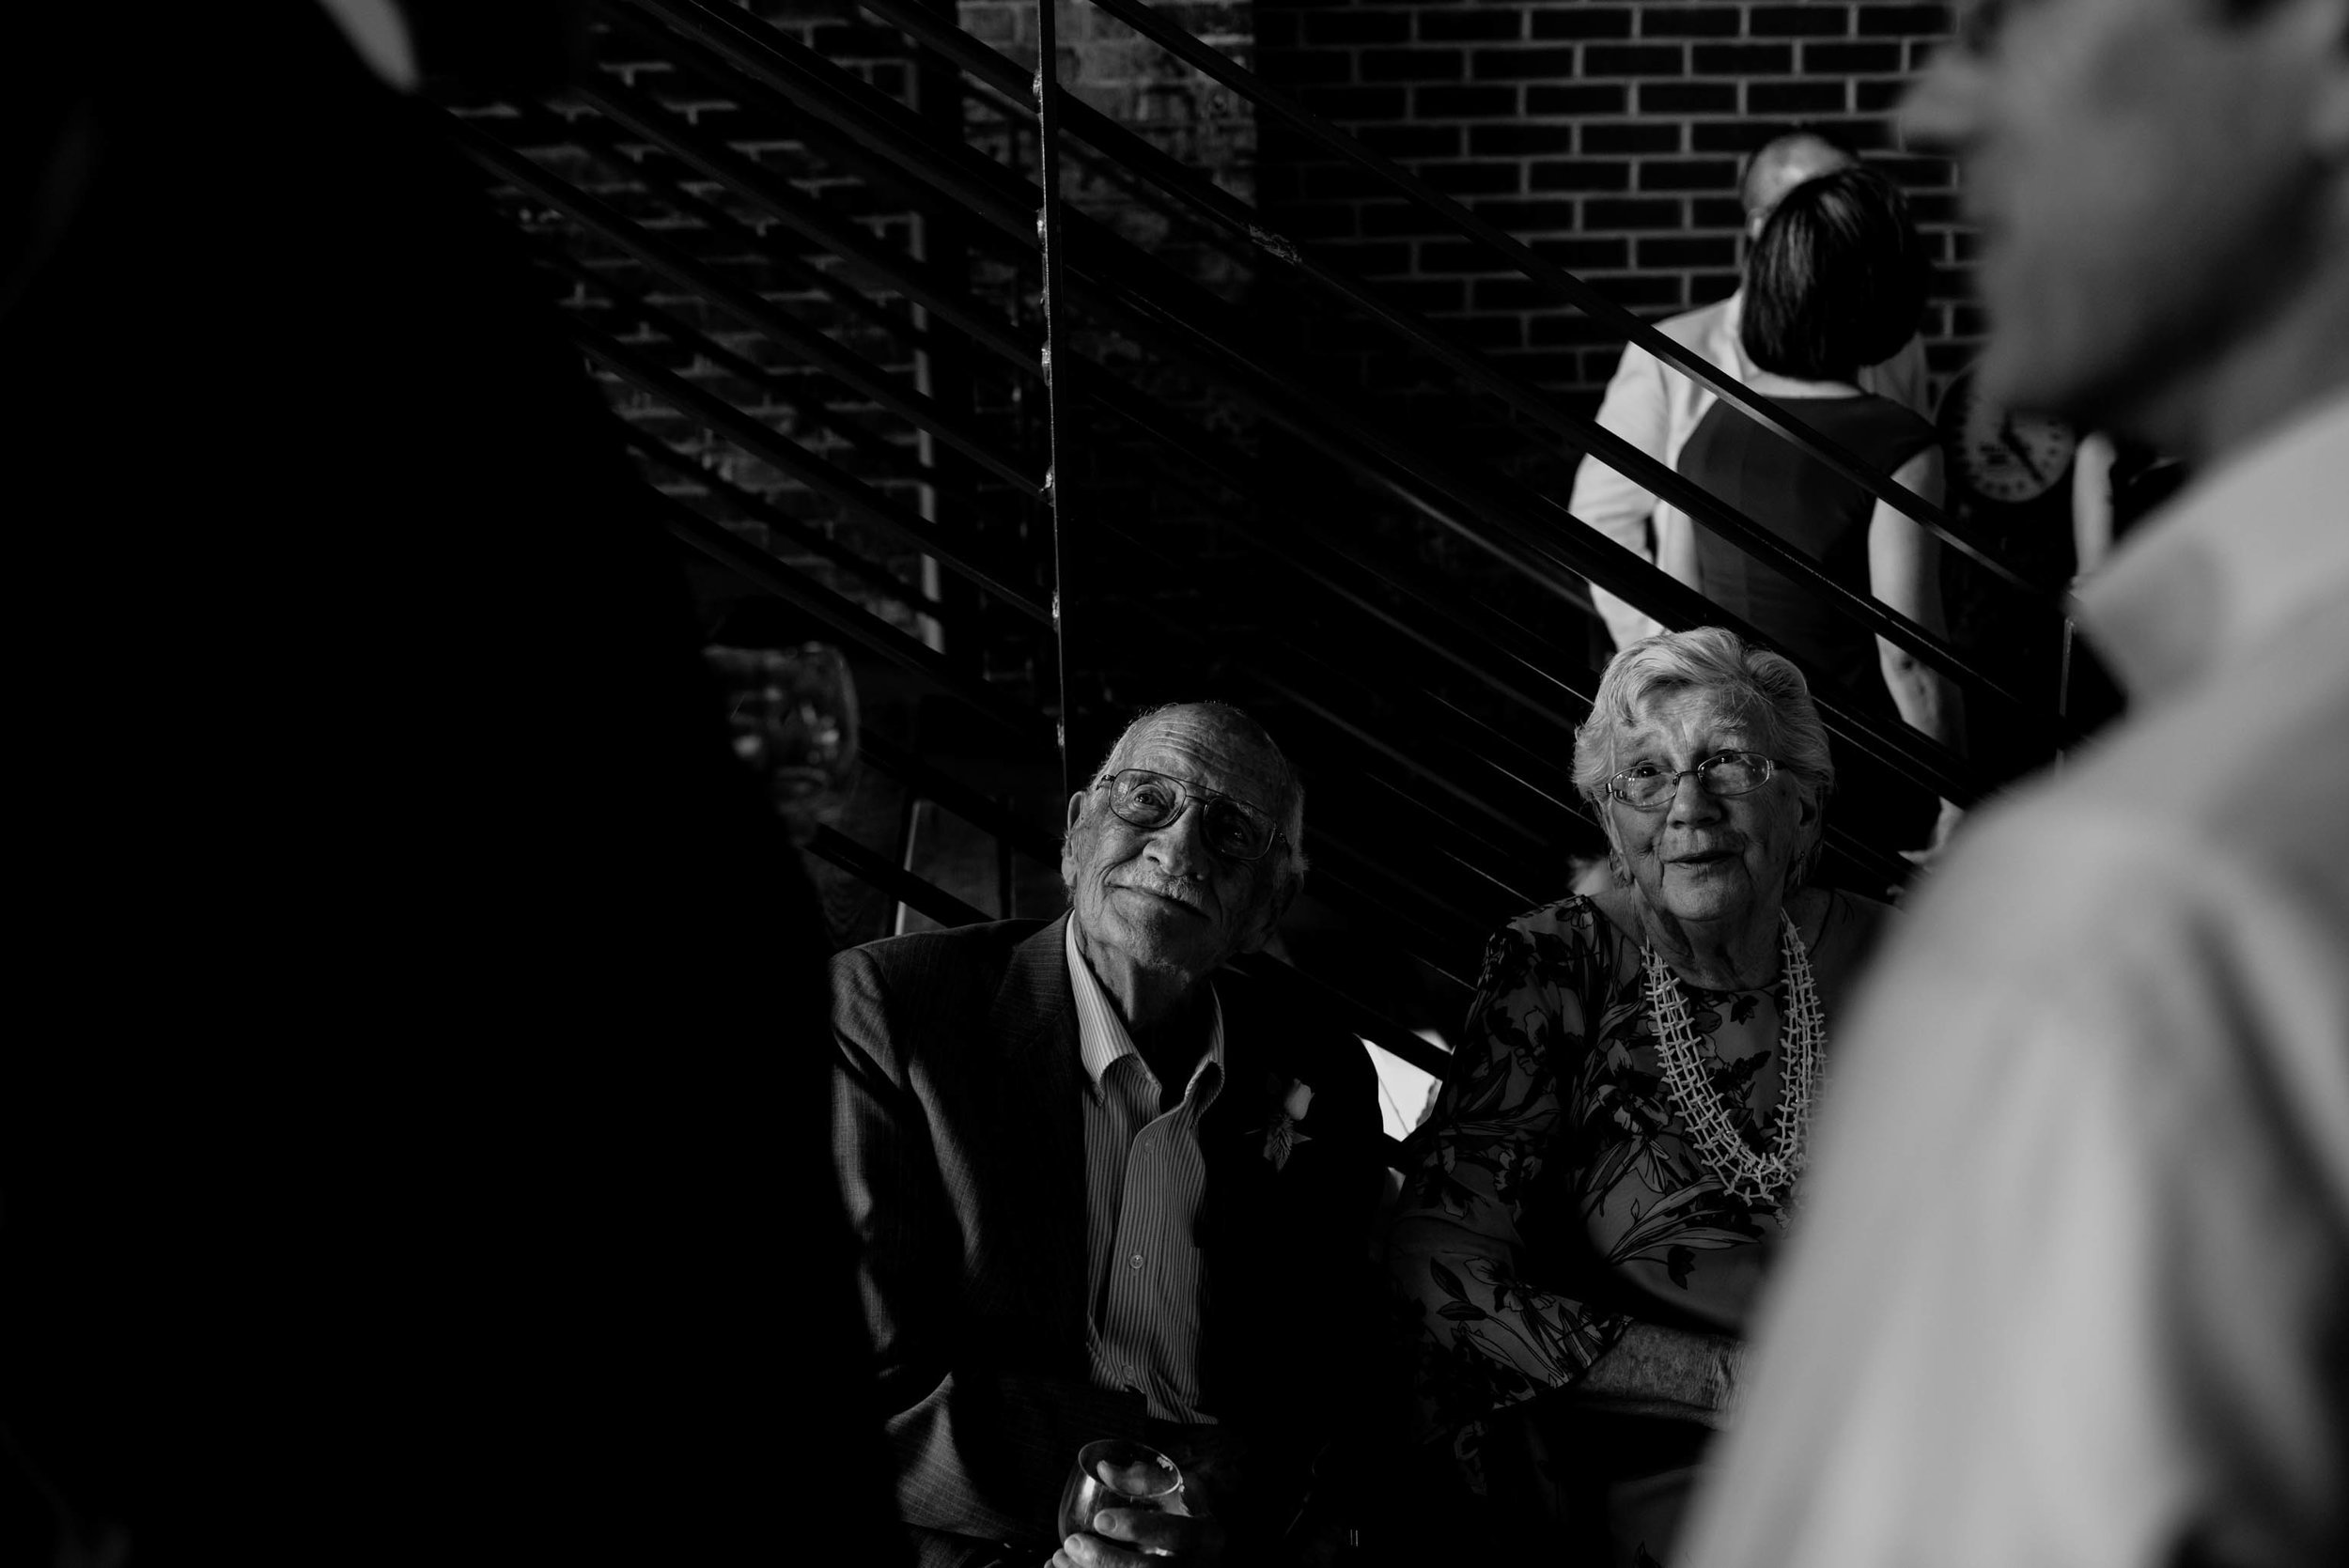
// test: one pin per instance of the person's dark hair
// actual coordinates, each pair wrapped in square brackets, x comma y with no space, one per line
[1837,279]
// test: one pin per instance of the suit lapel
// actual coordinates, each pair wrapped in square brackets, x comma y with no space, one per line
[1036,1020]
[1235,1131]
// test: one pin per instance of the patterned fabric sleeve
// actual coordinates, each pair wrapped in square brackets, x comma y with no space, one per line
[1485,1338]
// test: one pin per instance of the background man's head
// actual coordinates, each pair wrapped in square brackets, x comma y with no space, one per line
[1836,280]
[2162,192]
[1167,897]
[1780,164]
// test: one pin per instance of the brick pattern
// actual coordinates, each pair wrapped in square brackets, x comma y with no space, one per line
[702,342]
[1607,135]
[762,375]
[1132,81]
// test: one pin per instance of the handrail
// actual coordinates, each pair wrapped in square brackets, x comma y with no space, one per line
[1099,164]
[844,489]
[630,305]
[636,367]
[1421,897]
[741,502]
[1709,615]
[747,45]
[1413,910]
[1357,1019]
[901,885]
[791,71]
[1885,867]
[777,199]
[973,807]
[1586,298]
[599,133]
[668,261]
[1461,634]
[1545,553]
[846,618]
[1291,693]
[1461,637]
[1471,365]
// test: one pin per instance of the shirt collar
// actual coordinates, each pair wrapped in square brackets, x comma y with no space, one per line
[2257,542]
[1101,1036]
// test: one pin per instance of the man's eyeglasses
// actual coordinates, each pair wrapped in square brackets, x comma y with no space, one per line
[1234,828]
[1649,784]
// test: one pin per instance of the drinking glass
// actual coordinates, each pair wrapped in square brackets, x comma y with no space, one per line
[793,718]
[1114,1473]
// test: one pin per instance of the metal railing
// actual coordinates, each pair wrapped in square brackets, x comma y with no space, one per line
[1470,761]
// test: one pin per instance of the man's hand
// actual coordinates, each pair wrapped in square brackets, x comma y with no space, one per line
[1143,1537]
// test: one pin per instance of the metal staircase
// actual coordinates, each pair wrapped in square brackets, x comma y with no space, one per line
[1039,474]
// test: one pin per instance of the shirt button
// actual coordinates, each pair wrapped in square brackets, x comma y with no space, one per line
[1134,1262]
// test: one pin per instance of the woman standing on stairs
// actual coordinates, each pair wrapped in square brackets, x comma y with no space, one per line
[1836,280]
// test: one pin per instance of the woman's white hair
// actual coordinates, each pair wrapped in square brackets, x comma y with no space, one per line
[1761,688]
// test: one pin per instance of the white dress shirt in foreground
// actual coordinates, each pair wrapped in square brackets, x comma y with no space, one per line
[2072,1284]
[1654,407]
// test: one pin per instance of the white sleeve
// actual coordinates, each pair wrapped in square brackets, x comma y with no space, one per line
[1634,409]
[2071,1282]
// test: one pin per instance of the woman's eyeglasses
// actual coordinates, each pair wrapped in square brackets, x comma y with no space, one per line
[1649,784]
[1234,828]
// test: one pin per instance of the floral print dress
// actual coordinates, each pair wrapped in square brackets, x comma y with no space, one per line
[1557,1200]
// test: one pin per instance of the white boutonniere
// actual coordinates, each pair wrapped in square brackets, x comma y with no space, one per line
[1282,1134]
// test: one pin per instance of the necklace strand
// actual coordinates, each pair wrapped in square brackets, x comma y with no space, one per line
[1756,1179]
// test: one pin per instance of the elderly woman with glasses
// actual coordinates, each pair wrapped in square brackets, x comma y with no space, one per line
[1618,1145]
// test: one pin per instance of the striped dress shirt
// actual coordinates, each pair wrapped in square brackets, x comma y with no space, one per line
[1145,1175]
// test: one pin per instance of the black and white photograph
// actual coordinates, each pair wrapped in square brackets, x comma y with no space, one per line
[1236,783]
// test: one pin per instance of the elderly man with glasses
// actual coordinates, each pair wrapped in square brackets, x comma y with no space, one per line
[1055,1141]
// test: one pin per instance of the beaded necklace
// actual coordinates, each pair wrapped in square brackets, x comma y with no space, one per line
[1757,1179]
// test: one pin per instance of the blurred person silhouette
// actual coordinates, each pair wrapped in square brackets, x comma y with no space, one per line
[414,1130]
[1655,408]
[2075,1282]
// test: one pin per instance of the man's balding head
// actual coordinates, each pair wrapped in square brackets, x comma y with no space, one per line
[1780,164]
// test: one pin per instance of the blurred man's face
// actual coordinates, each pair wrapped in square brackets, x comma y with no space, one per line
[2139,172]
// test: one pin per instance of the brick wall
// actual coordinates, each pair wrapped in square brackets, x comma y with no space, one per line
[1608,134]
[700,342]
[1132,81]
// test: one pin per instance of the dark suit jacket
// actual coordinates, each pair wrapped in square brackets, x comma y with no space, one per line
[961,1144]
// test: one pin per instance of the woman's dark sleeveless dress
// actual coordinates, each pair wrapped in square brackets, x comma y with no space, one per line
[1826,516]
